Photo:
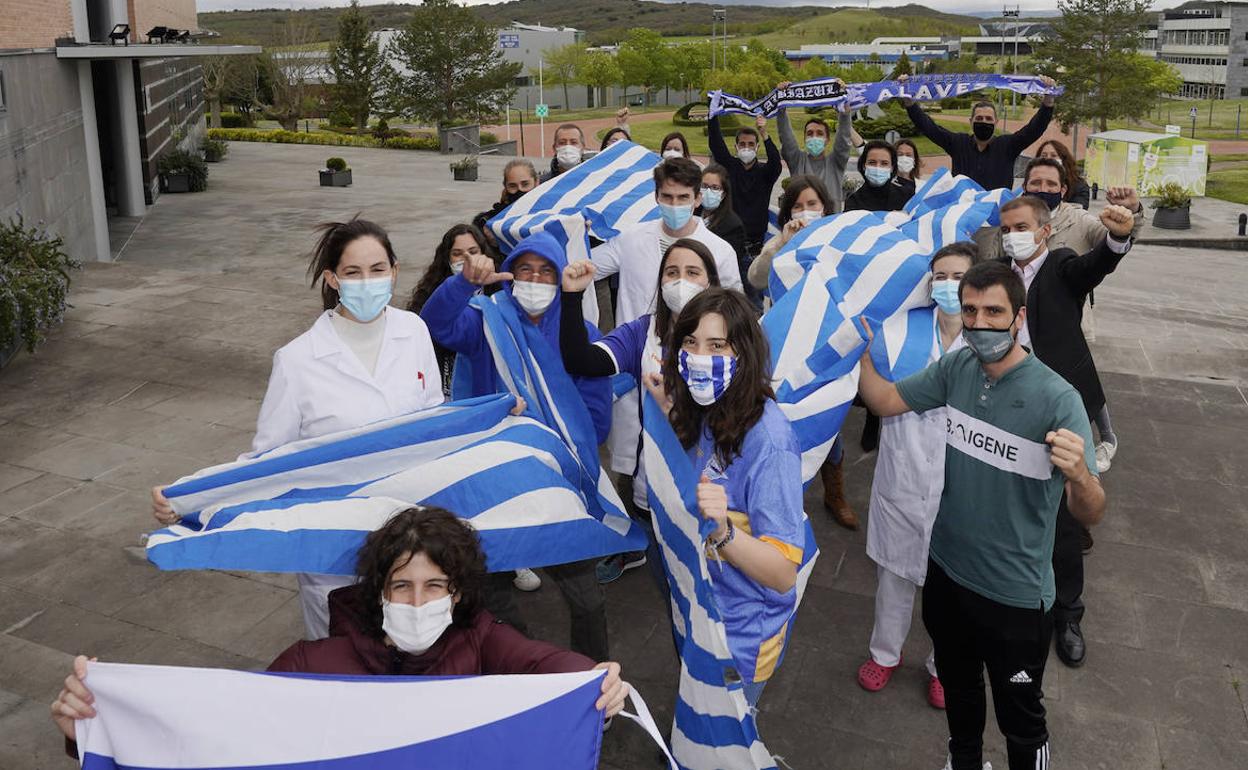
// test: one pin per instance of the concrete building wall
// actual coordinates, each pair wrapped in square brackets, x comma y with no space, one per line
[1237,57]
[35,23]
[43,154]
[171,112]
[145,14]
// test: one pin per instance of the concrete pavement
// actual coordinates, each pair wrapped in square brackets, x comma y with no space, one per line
[161,364]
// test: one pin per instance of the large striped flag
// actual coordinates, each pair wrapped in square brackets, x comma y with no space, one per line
[531,485]
[162,718]
[601,197]
[713,728]
[854,264]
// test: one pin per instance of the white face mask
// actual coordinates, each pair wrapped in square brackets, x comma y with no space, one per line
[673,154]
[568,155]
[414,629]
[905,164]
[678,292]
[1019,246]
[532,296]
[747,155]
[458,267]
[808,216]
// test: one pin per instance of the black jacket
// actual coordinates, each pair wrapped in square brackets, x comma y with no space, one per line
[1082,194]
[992,168]
[886,197]
[727,225]
[751,187]
[1055,310]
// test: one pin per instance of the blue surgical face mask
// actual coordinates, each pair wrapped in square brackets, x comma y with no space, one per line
[945,293]
[877,176]
[708,376]
[815,144]
[365,298]
[675,217]
[711,198]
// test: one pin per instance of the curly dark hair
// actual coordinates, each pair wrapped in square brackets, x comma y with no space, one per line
[444,538]
[741,406]
[440,268]
[334,239]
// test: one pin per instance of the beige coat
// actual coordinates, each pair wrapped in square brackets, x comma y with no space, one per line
[1074,228]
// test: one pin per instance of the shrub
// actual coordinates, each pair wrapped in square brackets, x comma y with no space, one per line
[215,147]
[682,116]
[185,162]
[488,138]
[235,120]
[324,138]
[34,283]
[1171,195]
[340,118]
[336,164]
[468,161]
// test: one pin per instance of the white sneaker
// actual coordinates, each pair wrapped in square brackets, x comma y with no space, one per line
[949,763]
[526,580]
[1105,452]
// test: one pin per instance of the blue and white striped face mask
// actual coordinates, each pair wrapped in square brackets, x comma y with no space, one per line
[708,376]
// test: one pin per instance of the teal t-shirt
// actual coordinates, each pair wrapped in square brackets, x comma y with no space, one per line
[998,513]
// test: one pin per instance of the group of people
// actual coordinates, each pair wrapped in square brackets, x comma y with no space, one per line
[987,475]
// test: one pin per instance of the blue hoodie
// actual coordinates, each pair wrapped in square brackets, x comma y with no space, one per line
[454,324]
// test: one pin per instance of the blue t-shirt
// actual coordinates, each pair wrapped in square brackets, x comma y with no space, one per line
[627,344]
[764,485]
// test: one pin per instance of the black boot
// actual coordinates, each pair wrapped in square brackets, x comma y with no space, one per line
[1071,649]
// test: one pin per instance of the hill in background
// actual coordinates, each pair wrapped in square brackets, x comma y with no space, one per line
[606,21]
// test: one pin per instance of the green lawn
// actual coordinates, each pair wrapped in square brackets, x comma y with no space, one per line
[1228,185]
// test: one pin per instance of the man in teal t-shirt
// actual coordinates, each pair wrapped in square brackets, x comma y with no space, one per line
[1017,439]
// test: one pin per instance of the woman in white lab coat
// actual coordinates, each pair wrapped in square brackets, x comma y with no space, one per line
[906,490]
[362,361]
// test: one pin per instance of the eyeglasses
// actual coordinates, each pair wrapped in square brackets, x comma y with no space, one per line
[527,271]
[715,187]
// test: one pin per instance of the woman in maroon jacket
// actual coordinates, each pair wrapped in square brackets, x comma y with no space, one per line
[416,610]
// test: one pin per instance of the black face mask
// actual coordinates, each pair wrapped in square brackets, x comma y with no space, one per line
[1051,199]
[983,131]
[512,197]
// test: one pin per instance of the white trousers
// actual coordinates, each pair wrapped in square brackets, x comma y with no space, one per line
[894,607]
[314,599]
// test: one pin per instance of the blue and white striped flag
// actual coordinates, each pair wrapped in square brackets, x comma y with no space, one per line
[603,196]
[532,485]
[713,728]
[162,718]
[849,265]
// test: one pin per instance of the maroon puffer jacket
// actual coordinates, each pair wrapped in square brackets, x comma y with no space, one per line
[488,646]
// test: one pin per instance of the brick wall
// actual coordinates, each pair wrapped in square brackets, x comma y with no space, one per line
[171,111]
[37,23]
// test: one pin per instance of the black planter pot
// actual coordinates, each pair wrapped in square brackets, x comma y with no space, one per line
[336,178]
[465,174]
[8,353]
[177,183]
[1173,219]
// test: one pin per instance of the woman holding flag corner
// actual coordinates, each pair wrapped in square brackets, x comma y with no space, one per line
[714,386]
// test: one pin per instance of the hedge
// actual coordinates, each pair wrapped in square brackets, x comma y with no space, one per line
[321,137]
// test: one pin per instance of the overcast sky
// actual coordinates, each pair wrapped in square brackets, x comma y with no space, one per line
[953,6]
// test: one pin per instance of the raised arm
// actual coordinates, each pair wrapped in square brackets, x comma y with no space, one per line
[1035,128]
[789,148]
[844,142]
[580,356]
[1086,271]
[880,394]
[715,140]
[940,136]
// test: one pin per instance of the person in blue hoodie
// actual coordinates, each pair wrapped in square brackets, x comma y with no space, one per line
[532,275]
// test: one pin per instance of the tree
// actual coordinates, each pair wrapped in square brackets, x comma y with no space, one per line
[1093,51]
[292,67]
[751,73]
[356,63]
[903,67]
[446,64]
[599,70]
[644,60]
[689,65]
[216,80]
[560,68]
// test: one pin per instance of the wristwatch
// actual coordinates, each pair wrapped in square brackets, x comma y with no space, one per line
[719,544]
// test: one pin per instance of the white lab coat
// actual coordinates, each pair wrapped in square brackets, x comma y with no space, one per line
[905,492]
[319,386]
[635,255]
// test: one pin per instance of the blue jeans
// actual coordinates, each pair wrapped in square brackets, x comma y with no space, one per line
[753,691]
